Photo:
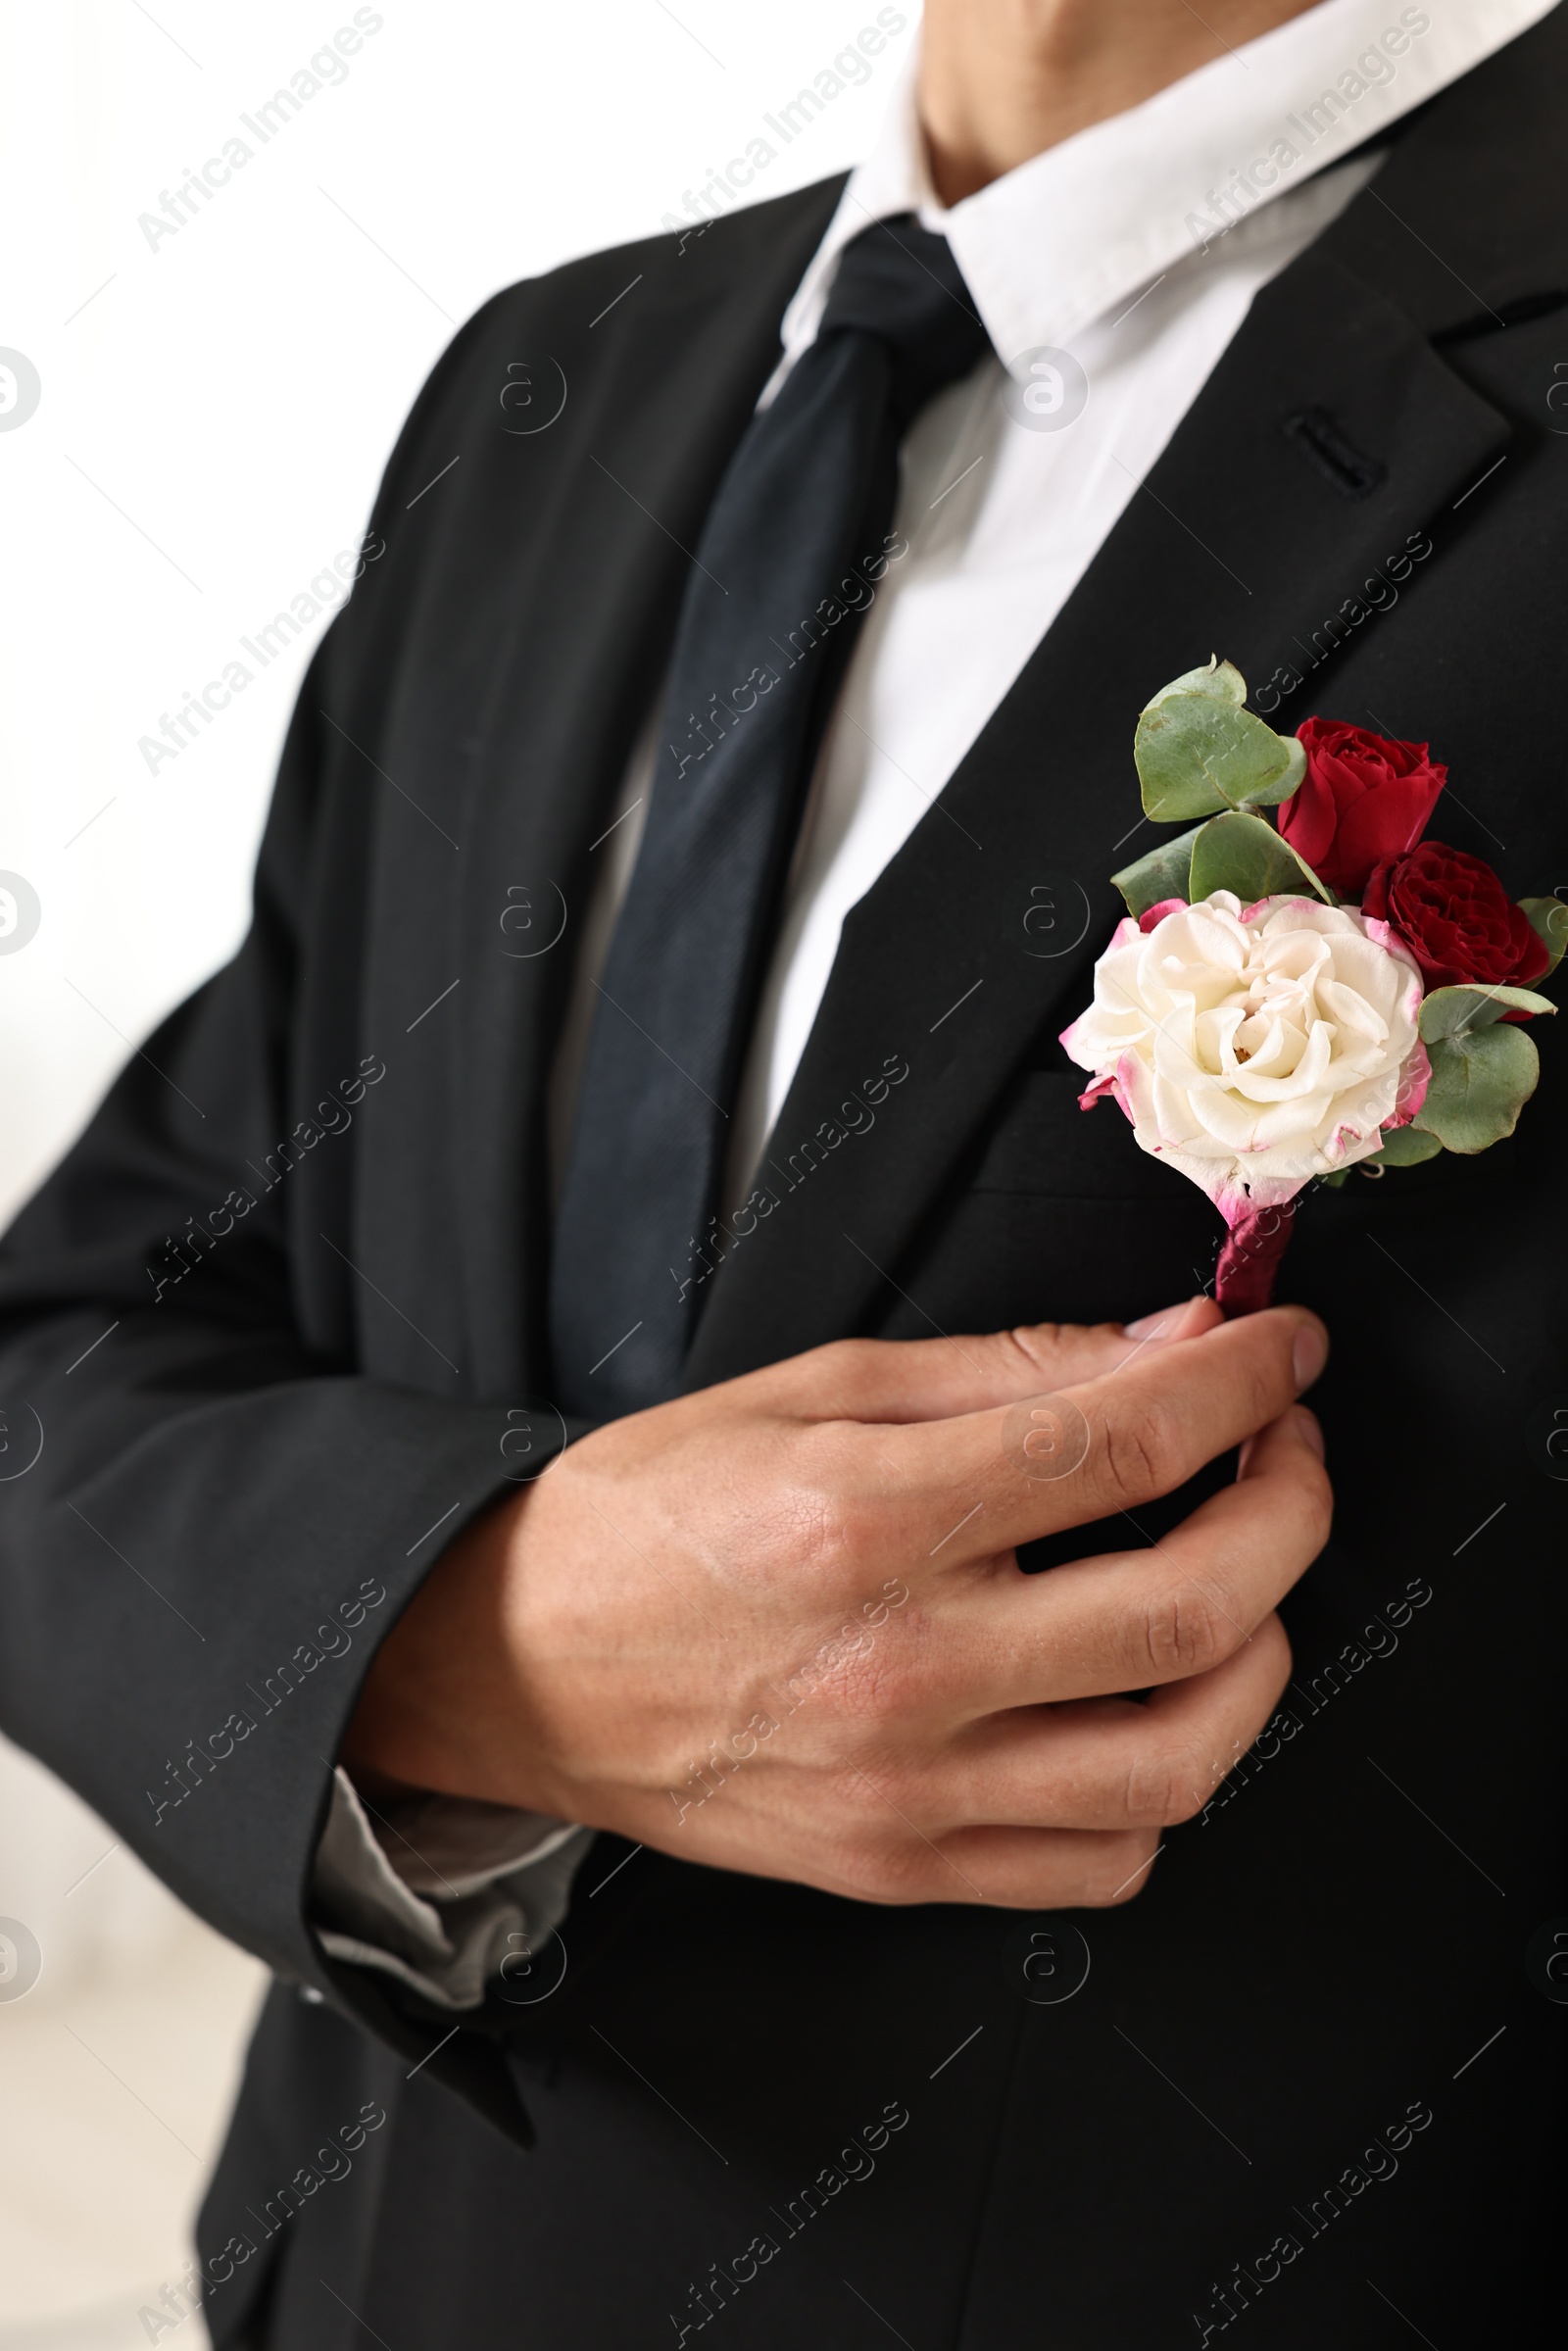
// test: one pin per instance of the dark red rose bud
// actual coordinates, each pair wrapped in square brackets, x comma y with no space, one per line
[1364,798]
[1456,918]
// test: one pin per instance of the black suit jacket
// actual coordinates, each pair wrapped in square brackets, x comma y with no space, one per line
[278,1321]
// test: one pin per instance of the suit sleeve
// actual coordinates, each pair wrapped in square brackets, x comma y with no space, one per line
[209,1515]
[440,1893]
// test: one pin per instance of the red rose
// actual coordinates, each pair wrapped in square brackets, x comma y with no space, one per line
[1455,915]
[1363,798]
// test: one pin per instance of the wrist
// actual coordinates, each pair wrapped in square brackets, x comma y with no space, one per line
[436,1711]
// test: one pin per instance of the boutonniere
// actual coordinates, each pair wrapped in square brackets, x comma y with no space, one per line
[1290,999]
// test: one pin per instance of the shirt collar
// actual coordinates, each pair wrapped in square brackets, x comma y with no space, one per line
[1052,246]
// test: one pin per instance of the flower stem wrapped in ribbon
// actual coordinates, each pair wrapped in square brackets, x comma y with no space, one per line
[1262,1036]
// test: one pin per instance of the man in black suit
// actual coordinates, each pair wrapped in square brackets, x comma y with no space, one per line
[473,1460]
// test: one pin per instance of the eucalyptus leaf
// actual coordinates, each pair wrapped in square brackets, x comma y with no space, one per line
[1161,874]
[1196,755]
[1286,786]
[1171,752]
[1245,854]
[1406,1146]
[1452,1011]
[1220,680]
[1481,1081]
[1549,920]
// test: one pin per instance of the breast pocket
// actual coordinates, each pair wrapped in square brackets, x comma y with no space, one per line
[1045,1143]
[1058,1216]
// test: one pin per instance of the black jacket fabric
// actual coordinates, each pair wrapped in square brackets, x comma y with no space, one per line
[278,1321]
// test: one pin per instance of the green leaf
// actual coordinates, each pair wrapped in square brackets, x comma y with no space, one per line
[1286,785]
[1198,751]
[1452,1011]
[1406,1146]
[1161,874]
[1549,920]
[1245,854]
[1171,752]
[1220,680]
[1195,754]
[1481,1081]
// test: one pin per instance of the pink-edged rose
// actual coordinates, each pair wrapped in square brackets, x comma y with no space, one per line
[1364,798]
[1255,1048]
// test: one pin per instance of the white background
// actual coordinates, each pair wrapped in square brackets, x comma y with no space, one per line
[215,413]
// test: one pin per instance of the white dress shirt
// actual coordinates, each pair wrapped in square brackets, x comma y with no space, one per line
[1112,273]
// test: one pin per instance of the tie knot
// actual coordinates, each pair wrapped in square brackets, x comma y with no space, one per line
[900,283]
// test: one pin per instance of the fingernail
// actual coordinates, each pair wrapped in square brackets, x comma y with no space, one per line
[1155,1326]
[1309,1429]
[1308,1355]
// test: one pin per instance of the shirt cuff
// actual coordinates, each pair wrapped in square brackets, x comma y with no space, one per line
[440,1889]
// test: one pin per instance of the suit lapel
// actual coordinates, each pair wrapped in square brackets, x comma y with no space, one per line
[1237,544]
[572,545]
[1466,226]
[586,523]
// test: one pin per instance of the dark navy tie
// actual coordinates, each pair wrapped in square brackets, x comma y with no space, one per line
[795,544]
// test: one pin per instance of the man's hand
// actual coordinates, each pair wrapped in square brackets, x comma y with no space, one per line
[779,1626]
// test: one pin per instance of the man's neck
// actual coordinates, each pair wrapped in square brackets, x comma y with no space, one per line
[1003,79]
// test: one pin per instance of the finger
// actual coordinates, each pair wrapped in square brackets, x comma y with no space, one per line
[1107,1763]
[940,1379]
[1013,1869]
[1308,1427]
[1091,1449]
[1138,1619]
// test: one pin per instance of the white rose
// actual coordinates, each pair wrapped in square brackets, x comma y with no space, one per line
[1256,1050]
